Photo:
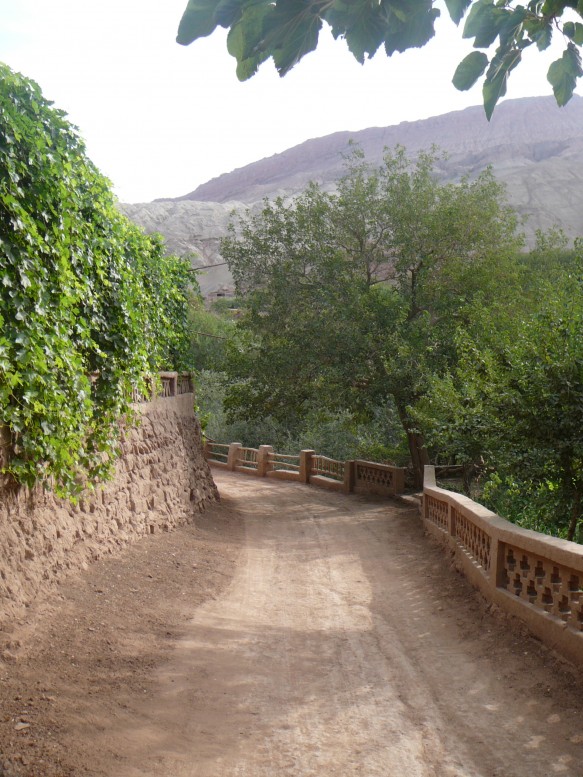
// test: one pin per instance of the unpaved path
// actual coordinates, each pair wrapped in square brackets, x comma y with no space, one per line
[339,644]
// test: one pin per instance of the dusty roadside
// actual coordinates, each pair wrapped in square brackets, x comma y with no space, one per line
[84,659]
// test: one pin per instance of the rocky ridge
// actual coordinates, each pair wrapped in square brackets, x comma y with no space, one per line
[534,147]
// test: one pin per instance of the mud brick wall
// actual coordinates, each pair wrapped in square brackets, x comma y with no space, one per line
[162,481]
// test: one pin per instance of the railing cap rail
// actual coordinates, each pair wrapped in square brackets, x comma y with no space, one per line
[376,464]
[555,549]
[327,458]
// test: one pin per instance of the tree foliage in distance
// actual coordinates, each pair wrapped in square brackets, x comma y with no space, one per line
[287,29]
[515,400]
[83,291]
[209,331]
[352,299]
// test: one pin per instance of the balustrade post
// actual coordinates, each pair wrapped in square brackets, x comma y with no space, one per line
[349,477]
[398,480]
[428,480]
[306,465]
[233,456]
[497,574]
[264,465]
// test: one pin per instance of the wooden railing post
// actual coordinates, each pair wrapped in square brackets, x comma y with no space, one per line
[234,448]
[264,465]
[306,465]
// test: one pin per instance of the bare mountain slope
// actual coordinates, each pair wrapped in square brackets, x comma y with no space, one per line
[535,148]
[522,132]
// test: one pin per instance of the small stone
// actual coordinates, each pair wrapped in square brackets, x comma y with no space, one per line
[20,726]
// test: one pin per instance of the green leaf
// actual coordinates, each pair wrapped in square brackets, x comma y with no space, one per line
[497,76]
[469,70]
[574,31]
[484,23]
[198,21]
[229,11]
[457,9]
[540,30]
[563,74]
[411,25]
[202,17]
[290,30]
[363,26]
[244,41]
[511,25]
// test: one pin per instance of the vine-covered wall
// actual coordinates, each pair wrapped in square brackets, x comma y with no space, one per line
[89,304]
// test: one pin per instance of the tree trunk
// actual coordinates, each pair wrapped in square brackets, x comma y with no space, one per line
[419,457]
[575,515]
[417,449]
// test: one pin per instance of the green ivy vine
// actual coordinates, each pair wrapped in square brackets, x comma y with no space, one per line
[89,304]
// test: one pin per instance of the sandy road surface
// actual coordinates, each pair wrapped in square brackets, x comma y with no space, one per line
[342,645]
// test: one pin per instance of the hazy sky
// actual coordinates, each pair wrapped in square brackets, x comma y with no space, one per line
[159,119]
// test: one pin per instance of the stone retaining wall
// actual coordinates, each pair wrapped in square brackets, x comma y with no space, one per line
[162,480]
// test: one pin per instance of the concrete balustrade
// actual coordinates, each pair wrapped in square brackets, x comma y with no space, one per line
[348,477]
[532,576]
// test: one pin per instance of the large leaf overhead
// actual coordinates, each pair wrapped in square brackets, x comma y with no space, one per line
[564,72]
[457,9]
[363,30]
[291,30]
[244,40]
[198,21]
[286,30]
[469,70]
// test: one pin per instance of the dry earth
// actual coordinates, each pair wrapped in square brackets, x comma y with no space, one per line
[292,632]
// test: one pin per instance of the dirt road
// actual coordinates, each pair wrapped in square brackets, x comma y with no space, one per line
[292,633]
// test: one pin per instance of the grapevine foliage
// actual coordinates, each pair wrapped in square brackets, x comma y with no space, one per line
[88,303]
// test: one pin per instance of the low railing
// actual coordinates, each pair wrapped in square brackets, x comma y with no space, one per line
[328,468]
[531,575]
[308,467]
[184,384]
[284,462]
[216,452]
[170,384]
[144,393]
[373,478]
[247,458]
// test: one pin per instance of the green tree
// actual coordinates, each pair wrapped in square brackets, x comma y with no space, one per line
[351,299]
[515,399]
[209,332]
[287,29]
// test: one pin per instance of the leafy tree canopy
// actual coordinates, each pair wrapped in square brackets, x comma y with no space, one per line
[515,400]
[287,29]
[352,299]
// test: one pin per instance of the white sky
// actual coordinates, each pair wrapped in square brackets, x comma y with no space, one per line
[159,119]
